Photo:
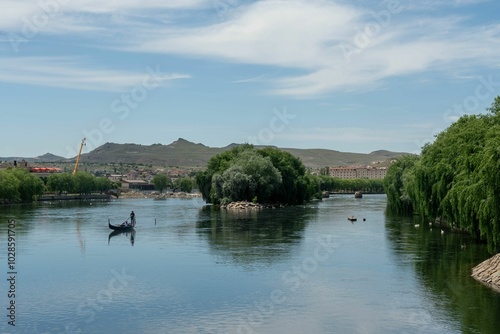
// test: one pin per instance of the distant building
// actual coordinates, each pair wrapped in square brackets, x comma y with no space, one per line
[137,185]
[116,177]
[132,175]
[343,172]
[358,172]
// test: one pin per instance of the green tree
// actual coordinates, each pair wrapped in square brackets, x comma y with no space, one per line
[456,177]
[217,165]
[30,186]
[84,183]
[60,182]
[294,186]
[186,184]
[9,186]
[251,175]
[396,183]
[102,184]
[244,172]
[161,182]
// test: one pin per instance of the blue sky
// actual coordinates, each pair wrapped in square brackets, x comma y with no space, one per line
[345,75]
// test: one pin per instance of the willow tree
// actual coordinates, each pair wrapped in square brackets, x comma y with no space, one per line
[30,186]
[217,165]
[9,186]
[61,182]
[18,185]
[457,177]
[251,176]
[396,183]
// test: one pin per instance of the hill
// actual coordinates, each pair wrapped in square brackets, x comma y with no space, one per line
[187,154]
[47,157]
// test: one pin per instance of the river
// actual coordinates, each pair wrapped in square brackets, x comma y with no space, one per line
[190,268]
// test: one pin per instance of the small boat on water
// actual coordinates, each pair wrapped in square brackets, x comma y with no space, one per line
[352,218]
[120,227]
[358,194]
[123,227]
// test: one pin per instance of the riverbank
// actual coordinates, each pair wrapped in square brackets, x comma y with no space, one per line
[158,195]
[45,198]
[488,272]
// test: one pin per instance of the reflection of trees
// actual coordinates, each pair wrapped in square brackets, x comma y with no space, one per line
[248,236]
[443,267]
[28,216]
[17,212]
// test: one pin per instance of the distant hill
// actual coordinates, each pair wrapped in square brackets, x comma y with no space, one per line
[47,157]
[323,157]
[179,153]
[187,154]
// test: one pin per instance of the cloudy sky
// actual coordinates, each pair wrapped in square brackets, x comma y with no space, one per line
[346,75]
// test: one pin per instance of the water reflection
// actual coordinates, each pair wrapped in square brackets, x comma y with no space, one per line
[443,264]
[125,233]
[253,236]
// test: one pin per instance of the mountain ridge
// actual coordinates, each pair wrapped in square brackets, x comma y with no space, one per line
[188,154]
[182,152]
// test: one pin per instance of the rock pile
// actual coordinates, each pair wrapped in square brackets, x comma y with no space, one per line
[243,206]
[488,272]
[179,194]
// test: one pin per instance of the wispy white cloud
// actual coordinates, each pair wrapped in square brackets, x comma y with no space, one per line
[15,14]
[313,37]
[259,78]
[75,74]
[328,45]
[281,33]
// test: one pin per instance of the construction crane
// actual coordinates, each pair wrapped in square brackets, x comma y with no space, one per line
[78,156]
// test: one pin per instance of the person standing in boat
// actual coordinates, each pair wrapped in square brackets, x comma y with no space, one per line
[132,218]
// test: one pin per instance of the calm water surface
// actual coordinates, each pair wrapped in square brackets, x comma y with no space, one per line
[190,268]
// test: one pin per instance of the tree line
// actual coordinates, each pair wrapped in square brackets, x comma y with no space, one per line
[82,183]
[162,182]
[335,184]
[19,185]
[456,178]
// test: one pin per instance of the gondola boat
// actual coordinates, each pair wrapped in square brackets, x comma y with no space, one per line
[121,227]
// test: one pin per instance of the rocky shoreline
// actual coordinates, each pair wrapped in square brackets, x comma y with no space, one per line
[244,205]
[488,272]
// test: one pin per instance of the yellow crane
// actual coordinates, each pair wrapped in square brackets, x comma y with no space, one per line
[78,156]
